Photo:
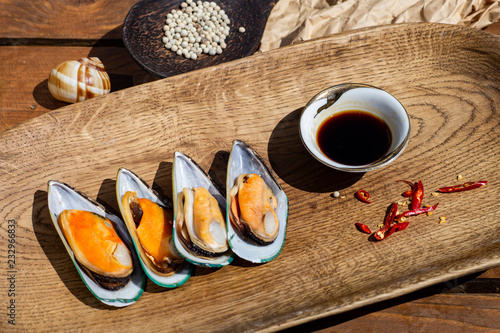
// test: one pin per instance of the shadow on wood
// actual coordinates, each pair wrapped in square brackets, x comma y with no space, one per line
[332,321]
[293,163]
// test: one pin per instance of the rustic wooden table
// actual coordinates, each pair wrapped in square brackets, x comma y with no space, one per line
[36,36]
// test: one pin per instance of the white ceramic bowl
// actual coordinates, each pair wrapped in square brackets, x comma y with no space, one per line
[353,96]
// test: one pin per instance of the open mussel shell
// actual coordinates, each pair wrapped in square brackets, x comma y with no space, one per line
[187,174]
[244,160]
[126,180]
[63,197]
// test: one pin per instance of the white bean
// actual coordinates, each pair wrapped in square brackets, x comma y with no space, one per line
[197,27]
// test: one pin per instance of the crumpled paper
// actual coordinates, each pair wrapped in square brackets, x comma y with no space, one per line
[294,21]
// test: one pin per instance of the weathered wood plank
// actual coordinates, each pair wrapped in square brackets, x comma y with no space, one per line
[493,28]
[443,312]
[26,95]
[87,19]
[456,305]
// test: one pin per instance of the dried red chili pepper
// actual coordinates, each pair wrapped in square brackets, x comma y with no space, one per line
[396,227]
[391,215]
[417,196]
[389,218]
[363,228]
[463,187]
[417,211]
[387,231]
[408,193]
[400,226]
[363,196]
[380,234]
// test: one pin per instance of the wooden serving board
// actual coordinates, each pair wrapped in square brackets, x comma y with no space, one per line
[446,77]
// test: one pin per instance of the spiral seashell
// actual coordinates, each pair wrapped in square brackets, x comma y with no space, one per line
[77,80]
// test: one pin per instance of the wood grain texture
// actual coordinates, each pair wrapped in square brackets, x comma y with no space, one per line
[54,19]
[24,92]
[444,306]
[493,28]
[447,313]
[143,33]
[445,76]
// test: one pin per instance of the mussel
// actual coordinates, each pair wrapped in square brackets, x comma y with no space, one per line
[97,247]
[252,209]
[257,206]
[200,228]
[98,244]
[149,220]
[153,231]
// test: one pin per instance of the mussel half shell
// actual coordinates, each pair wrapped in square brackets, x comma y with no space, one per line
[187,176]
[243,160]
[62,197]
[169,274]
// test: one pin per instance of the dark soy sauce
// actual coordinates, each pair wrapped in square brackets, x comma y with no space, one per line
[354,137]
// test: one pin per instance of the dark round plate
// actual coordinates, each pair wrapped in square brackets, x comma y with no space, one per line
[143,32]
